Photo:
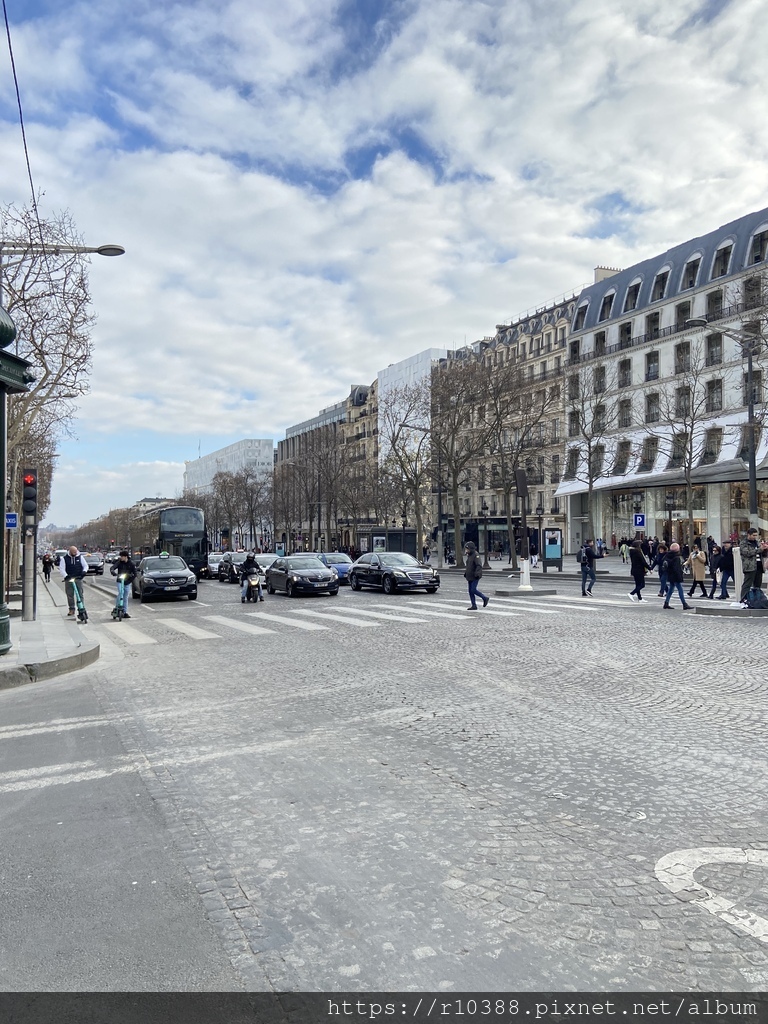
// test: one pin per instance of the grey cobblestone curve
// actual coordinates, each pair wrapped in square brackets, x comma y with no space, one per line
[497,816]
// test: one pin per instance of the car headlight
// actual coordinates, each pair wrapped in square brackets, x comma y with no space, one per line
[333,572]
[191,579]
[398,572]
[294,579]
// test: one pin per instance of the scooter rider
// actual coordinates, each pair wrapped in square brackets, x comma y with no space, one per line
[248,568]
[124,567]
[73,566]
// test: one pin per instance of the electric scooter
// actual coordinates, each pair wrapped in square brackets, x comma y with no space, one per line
[82,614]
[119,610]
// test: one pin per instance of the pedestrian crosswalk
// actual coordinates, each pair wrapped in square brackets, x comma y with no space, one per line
[295,617]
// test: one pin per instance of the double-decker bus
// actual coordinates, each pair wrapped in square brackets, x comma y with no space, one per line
[177,529]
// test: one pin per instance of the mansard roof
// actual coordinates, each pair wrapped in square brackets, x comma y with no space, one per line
[738,233]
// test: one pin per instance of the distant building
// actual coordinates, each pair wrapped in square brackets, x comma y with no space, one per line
[407,371]
[147,504]
[252,453]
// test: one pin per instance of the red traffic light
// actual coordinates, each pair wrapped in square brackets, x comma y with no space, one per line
[30,479]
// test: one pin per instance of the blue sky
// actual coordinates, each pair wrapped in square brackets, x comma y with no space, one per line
[311,190]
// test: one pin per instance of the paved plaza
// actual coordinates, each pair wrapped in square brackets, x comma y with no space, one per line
[387,793]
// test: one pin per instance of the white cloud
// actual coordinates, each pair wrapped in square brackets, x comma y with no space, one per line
[81,491]
[273,258]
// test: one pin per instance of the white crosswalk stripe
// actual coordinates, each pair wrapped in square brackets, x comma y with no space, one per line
[128,634]
[287,621]
[381,615]
[524,603]
[451,605]
[346,619]
[194,632]
[422,611]
[245,627]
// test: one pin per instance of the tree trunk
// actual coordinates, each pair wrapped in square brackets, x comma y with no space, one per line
[457,526]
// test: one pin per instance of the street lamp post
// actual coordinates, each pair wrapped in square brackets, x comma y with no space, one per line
[750,340]
[669,501]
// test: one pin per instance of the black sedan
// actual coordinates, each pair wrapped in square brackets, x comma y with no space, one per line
[95,564]
[164,576]
[229,566]
[392,570]
[301,574]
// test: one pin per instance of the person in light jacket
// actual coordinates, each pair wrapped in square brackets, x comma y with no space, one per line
[697,563]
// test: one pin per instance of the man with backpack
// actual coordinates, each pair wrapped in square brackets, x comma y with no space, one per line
[587,559]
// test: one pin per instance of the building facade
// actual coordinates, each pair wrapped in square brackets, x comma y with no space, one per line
[657,395]
[252,453]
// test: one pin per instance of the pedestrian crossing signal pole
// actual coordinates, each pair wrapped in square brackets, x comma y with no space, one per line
[29,576]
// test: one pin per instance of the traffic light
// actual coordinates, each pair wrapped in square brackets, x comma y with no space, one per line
[29,504]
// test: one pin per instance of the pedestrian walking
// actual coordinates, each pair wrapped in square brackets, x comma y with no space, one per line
[73,566]
[587,559]
[749,550]
[472,574]
[674,574]
[658,565]
[533,551]
[715,557]
[726,570]
[639,568]
[624,551]
[47,566]
[697,563]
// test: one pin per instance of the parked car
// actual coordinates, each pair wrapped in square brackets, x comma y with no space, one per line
[392,570]
[229,566]
[301,574]
[340,562]
[214,561]
[111,557]
[95,564]
[164,576]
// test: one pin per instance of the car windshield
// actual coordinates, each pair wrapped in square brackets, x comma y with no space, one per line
[93,558]
[239,556]
[397,558]
[163,564]
[306,562]
[214,556]
[337,558]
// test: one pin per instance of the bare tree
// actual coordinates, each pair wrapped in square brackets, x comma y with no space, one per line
[591,422]
[460,432]
[516,409]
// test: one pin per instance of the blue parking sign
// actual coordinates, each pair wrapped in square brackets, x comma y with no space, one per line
[639,520]
[11,520]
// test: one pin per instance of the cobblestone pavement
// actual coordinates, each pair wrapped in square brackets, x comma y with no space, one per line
[470,802]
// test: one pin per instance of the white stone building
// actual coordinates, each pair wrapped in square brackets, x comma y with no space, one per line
[252,453]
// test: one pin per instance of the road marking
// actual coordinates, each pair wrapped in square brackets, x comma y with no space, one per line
[448,604]
[194,632]
[286,621]
[542,604]
[676,871]
[202,604]
[381,615]
[422,611]
[245,627]
[332,615]
[128,634]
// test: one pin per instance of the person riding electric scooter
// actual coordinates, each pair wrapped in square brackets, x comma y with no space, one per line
[250,567]
[125,571]
[74,568]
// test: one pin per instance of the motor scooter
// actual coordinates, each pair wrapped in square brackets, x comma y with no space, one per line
[255,591]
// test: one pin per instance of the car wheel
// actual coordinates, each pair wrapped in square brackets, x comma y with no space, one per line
[143,597]
[270,589]
[431,590]
[389,585]
[192,597]
[354,583]
[334,593]
[290,592]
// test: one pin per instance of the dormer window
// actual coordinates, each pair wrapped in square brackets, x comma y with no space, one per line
[607,304]
[759,249]
[632,295]
[581,315]
[722,261]
[660,286]
[690,273]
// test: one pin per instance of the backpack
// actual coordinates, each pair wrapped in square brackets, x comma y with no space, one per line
[756,598]
[582,555]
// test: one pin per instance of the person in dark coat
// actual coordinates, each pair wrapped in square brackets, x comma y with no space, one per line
[726,570]
[473,574]
[638,567]
[658,565]
[715,557]
[674,573]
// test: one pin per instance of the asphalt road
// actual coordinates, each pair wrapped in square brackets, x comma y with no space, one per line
[408,796]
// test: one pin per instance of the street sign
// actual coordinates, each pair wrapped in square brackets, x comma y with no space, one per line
[11,520]
[14,372]
[639,520]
